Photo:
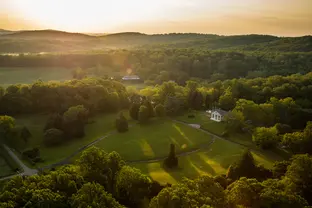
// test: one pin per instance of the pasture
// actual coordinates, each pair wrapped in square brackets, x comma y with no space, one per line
[216,128]
[146,142]
[152,140]
[5,169]
[7,164]
[213,160]
[99,126]
[27,75]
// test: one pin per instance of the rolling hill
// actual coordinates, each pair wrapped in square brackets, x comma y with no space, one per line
[36,41]
[47,34]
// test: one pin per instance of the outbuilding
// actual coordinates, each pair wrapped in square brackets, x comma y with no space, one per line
[218,115]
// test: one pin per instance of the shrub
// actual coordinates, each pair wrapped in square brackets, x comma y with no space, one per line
[171,161]
[265,137]
[160,110]
[225,134]
[134,111]
[37,160]
[283,128]
[121,123]
[143,114]
[55,121]
[31,153]
[244,167]
[25,134]
[53,137]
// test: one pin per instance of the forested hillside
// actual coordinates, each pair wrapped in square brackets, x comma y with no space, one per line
[173,64]
[58,41]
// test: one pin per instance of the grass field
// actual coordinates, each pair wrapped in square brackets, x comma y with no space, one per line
[213,160]
[5,169]
[203,119]
[152,140]
[7,164]
[25,75]
[101,125]
[217,128]
[137,86]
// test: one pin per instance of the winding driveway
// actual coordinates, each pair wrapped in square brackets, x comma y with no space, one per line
[26,170]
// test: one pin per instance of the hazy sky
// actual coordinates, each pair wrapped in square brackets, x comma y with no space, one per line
[278,17]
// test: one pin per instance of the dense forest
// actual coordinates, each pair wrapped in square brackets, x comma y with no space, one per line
[99,179]
[275,110]
[58,41]
[173,64]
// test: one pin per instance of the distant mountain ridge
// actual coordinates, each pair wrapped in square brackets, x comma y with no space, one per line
[44,33]
[5,32]
[36,41]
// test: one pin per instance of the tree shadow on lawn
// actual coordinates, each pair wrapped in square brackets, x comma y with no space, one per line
[266,157]
[189,166]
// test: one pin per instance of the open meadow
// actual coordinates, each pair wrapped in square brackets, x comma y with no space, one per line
[213,160]
[144,143]
[152,140]
[28,75]
[98,127]
[203,119]
[7,164]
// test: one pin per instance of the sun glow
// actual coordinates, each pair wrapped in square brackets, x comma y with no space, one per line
[87,15]
[280,17]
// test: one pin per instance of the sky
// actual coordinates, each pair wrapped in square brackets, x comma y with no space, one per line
[226,17]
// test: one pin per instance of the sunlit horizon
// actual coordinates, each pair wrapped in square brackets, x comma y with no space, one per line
[225,17]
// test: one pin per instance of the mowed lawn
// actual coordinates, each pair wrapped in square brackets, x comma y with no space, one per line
[7,164]
[212,161]
[5,169]
[152,140]
[217,128]
[202,118]
[99,126]
[28,75]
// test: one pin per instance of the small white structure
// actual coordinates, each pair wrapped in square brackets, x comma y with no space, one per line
[218,115]
[131,77]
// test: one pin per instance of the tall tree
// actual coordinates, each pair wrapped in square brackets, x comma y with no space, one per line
[298,176]
[143,114]
[227,101]
[172,160]
[25,134]
[191,193]
[7,124]
[75,119]
[132,186]
[121,123]
[93,195]
[265,137]
[149,107]
[160,110]
[244,167]
[134,111]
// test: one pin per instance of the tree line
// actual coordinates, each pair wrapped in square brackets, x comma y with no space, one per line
[97,95]
[160,65]
[58,41]
[100,179]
